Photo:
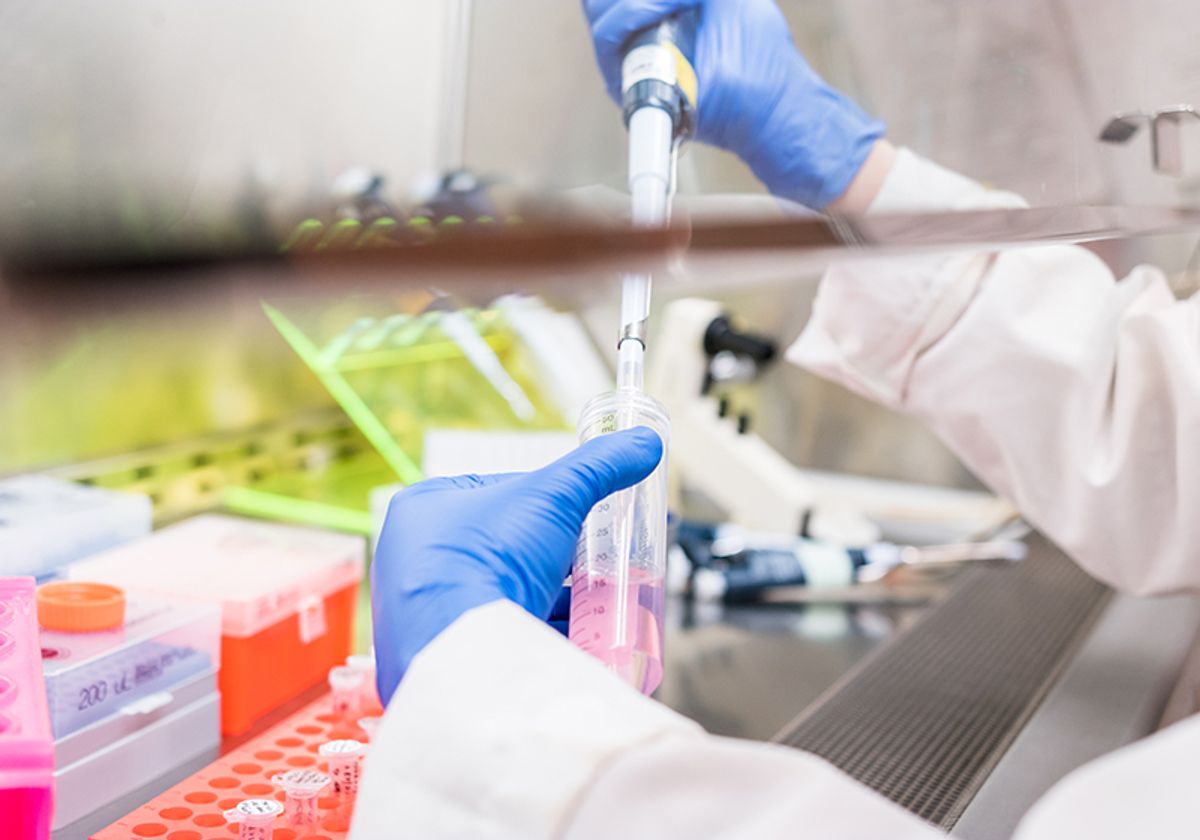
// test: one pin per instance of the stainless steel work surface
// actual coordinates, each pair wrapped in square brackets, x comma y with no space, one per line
[963,710]
[1111,693]
[925,721]
[745,671]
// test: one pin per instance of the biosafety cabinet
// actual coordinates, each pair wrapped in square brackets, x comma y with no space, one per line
[385,245]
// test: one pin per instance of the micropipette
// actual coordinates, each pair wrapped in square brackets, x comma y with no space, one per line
[736,565]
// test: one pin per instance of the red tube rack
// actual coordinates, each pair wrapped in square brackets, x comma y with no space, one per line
[194,809]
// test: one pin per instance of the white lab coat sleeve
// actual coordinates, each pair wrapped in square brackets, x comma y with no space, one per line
[1144,790]
[503,729]
[1075,396]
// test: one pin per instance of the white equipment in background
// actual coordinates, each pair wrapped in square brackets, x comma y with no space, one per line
[756,486]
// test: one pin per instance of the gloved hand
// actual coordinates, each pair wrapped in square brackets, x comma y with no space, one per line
[451,544]
[757,97]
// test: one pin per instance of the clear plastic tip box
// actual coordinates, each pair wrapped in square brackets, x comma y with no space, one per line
[47,523]
[287,597]
[90,676]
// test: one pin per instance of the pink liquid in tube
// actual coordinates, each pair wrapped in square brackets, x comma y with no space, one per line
[618,578]
[632,649]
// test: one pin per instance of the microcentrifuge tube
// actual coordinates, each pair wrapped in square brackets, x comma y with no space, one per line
[345,766]
[365,662]
[301,788]
[255,818]
[370,725]
[346,684]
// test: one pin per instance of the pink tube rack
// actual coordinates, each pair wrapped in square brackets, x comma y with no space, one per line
[26,745]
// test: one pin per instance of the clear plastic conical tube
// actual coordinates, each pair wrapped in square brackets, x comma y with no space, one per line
[618,582]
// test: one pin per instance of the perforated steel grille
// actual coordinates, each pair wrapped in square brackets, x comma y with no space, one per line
[924,721]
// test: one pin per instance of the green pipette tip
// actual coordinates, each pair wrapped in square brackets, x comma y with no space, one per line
[422,227]
[342,233]
[303,235]
[376,233]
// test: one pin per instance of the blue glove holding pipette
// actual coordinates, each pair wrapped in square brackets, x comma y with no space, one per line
[451,544]
[758,98]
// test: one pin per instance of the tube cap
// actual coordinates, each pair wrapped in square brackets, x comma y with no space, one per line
[74,607]
[346,678]
[254,811]
[301,783]
[364,662]
[341,749]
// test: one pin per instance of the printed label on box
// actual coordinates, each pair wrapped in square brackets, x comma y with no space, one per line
[92,675]
[312,619]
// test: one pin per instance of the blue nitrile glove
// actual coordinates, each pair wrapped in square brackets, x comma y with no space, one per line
[757,96]
[451,544]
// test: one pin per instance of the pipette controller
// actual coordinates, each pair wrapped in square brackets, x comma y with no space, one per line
[659,91]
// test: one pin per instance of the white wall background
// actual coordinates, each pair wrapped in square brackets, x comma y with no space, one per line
[181,108]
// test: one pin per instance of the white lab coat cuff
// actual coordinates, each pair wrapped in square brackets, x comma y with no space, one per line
[917,185]
[497,729]
[872,319]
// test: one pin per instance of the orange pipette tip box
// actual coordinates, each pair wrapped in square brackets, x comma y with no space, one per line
[194,809]
[80,607]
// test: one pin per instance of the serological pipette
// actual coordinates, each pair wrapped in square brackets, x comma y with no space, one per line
[659,98]
[618,577]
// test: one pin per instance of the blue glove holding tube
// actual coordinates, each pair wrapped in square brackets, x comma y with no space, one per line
[758,98]
[451,544]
